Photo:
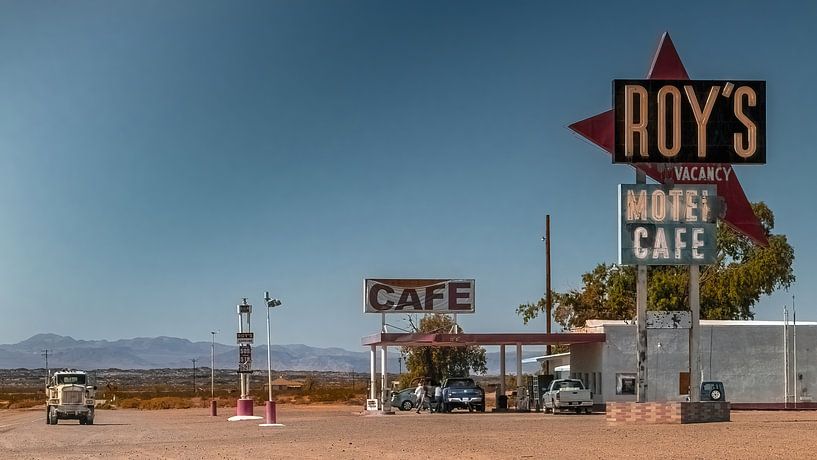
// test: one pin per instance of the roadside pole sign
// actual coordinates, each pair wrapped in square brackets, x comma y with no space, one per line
[661,225]
[737,212]
[244,337]
[245,358]
[418,296]
[690,121]
[685,134]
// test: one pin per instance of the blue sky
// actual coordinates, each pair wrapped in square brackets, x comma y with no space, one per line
[161,160]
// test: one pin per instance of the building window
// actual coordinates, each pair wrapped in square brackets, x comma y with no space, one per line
[625,384]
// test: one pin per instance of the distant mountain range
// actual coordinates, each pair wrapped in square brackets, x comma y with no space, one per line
[172,352]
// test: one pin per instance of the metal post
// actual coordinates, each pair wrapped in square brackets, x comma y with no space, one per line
[213,365]
[695,333]
[372,393]
[520,393]
[794,346]
[502,369]
[269,357]
[383,376]
[548,298]
[213,403]
[518,366]
[194,376]
[641,318]
[270,416]
[785,357]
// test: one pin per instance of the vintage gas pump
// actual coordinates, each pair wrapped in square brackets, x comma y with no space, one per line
[244,407]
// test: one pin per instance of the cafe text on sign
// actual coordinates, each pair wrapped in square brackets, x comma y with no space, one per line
[690,121]
[418,296]
[667,225]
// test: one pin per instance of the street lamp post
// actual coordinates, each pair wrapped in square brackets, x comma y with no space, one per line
[213,404]
[270,406]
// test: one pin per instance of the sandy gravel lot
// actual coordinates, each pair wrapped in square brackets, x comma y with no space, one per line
[342,432]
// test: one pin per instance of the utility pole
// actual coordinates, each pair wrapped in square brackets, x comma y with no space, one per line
[194,376]
[47,371]
[548,297]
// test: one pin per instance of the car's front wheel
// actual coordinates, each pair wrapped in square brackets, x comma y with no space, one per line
[406,405]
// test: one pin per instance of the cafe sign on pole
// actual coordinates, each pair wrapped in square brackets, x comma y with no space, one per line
[667,225]
[680,131]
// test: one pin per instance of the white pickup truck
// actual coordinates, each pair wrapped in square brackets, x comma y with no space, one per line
[568,394]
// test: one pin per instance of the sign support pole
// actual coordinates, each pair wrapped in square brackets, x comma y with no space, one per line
[641,318]
[695,333]
[548,298]
[385,403]
[372,389]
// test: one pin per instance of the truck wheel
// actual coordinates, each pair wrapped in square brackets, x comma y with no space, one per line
[48,415]
[578,410]
[82,421]
[89,419]
[53,419]
[482,408]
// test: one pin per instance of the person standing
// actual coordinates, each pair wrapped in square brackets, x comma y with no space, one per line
[438,398]
[420,395]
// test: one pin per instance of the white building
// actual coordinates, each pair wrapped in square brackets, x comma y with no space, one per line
[749,357]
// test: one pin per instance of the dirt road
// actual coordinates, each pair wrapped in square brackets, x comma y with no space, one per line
[341,432]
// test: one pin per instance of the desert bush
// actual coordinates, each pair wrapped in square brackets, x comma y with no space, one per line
[25,403]
[128,403]
[168,402]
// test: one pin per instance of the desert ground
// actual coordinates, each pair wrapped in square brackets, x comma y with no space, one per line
[336,431]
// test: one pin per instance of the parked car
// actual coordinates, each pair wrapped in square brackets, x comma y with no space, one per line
[712,391]
[568,394]
[404,399]
[462,393]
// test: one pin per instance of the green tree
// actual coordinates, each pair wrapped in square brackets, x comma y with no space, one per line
[438,363]
[729,289]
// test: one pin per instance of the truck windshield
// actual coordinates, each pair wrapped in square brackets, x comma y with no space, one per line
[71,379]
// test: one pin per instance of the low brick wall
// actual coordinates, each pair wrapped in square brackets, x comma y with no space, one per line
[667,412]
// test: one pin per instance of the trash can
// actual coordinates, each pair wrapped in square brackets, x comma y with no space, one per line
[502,402]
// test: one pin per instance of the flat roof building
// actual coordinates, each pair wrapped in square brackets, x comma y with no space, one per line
[756,361]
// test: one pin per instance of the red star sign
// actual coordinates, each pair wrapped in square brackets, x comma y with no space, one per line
[599,129]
